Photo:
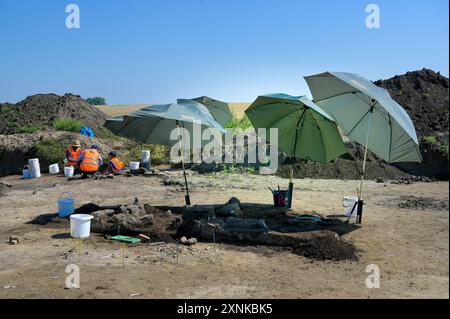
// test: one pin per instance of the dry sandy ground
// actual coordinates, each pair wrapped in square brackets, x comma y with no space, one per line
[411,247]
[122,109]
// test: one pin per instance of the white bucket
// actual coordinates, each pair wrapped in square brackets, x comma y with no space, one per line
[35,168]
[53,169]
[80,225]
[68,171]
[145,156]
[134,165]
[348,202]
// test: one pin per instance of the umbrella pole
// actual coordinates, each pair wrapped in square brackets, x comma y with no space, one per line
[291,184]
[360,200]
[291,187]
[187,199]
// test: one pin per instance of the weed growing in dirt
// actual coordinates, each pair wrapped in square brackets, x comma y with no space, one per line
[236,179]
[429,140]
[50,151]
[67,124]
[26,129]
[443,149]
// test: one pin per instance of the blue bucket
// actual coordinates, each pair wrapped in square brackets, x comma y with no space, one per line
[26,172]
[65,205]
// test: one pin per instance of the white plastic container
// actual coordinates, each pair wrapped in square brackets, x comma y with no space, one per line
[80,225]
[134,165]
[348,203]
[68,171]
[53,169]
[35,168]
[145,156]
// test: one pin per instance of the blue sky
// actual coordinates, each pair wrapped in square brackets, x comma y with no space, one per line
[154,51]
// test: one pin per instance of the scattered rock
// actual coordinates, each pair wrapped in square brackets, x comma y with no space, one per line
[188,242]
[13,240]
[168,181]
[231,209]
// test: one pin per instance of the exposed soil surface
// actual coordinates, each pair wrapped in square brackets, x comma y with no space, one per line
[409,245]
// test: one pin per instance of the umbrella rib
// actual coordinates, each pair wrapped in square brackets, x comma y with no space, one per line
[297,130]
[333,96]
[360,120]
[406,151]
[408,141]
[321,140]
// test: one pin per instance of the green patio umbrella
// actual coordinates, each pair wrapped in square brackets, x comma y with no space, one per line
[304,130]
[368,115]
[154,124]
[220,111]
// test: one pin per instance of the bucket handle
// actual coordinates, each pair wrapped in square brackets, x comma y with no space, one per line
[26,167]
[68,193]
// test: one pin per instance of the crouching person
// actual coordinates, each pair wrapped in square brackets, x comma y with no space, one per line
[115,166]
[90,161]
[73,153]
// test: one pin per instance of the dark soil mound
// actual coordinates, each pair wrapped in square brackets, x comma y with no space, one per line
[421,203]
[424,95]
[327,248]
[39,111]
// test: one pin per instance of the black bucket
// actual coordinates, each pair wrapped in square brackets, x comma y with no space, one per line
[280,198]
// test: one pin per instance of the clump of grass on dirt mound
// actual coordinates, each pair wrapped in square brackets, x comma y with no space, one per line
[50,151]
[27,129]
[67,124]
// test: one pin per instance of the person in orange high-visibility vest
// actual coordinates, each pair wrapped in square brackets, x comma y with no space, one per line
[115,164]
[90,161]
[73,153]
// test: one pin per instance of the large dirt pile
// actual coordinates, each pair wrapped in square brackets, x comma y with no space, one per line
[425,96]
[41,110]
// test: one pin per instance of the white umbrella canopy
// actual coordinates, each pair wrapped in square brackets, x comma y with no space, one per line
[369,116]
[359,107]
[155,124]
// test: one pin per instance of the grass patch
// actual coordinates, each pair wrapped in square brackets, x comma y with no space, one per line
[67,124]
[26,129]
[236,179]
[50,151]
